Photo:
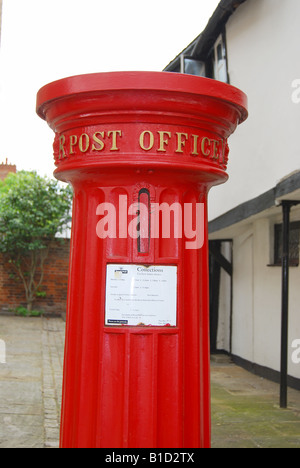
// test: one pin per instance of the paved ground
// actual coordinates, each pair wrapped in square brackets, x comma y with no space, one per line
[246,413]
[245,410]
[30,382]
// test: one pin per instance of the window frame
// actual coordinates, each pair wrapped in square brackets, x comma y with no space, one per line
[278,230]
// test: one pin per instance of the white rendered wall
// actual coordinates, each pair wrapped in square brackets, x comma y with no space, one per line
[257,299]
[223,338]
[263,38]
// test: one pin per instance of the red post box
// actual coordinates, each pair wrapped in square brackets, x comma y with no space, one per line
[141,150]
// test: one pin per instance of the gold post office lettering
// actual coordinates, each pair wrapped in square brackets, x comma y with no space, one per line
[159,142]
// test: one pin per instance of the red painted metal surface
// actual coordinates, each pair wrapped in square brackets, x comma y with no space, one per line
[151,138]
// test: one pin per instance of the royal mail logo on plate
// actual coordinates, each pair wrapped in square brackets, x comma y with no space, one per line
[119,273]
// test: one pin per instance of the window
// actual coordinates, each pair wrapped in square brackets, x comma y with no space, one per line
[210,64]
[294,246]
[219,60]
[191,66]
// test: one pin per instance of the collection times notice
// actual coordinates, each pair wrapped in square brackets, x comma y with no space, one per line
[139,295]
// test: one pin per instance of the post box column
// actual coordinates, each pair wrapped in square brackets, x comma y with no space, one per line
[142,151]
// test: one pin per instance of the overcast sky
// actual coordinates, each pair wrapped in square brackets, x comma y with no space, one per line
[45,40]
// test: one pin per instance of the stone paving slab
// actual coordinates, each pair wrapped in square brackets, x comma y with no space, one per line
[31,381]
[245,411]
[21,402]
[53,349]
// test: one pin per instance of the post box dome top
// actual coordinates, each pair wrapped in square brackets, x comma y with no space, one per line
[147,81]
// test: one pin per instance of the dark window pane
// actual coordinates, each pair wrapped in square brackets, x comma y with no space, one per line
[294,245]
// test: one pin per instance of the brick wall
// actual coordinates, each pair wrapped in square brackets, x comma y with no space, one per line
[6,169]
[55,283]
